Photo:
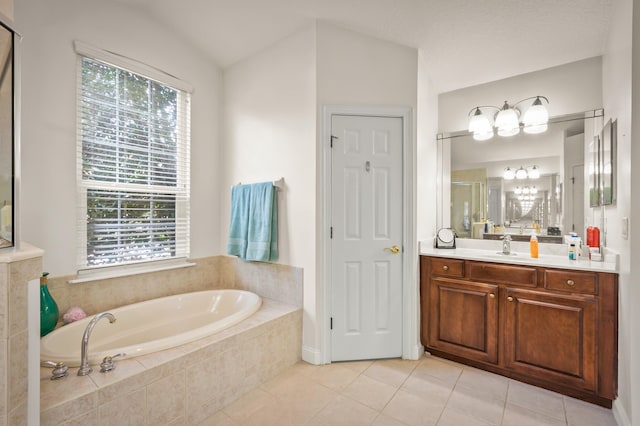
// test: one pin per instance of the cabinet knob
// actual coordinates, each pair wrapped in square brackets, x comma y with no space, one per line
[571,283]
[492,296]
[445,267]
[510,299]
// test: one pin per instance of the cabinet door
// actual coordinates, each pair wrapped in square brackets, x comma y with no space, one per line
[551,337]
[463,319]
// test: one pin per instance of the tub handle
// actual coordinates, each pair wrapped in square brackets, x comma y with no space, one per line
[60,369]
[108,362]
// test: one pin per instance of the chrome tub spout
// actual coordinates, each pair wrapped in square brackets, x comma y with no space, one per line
[84,349]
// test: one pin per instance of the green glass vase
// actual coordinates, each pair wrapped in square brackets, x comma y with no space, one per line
[48,308]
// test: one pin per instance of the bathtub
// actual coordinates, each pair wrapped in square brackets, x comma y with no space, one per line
[151,326]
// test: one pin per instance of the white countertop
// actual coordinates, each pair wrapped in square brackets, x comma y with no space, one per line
[520,256]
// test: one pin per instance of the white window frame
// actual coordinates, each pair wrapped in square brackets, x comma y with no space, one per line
[182,188]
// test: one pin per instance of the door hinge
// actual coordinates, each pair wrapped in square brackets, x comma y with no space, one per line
[332,138]
[331,233]
[331,323]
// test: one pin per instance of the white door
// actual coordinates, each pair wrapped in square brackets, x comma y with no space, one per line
[366,243]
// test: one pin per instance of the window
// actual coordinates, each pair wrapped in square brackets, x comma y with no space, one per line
[133,165]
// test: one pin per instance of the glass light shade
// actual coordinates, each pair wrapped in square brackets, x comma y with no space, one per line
[534,190]
[507,121]
[479,123]
[520,197]
[483,136]
[534,173]
[534,129]
[517,191]
[536,114]
[521,173]
[525,190]
[509,174]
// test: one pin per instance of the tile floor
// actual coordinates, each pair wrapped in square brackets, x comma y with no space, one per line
[431,391]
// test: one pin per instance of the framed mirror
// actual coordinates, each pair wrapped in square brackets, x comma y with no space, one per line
[480,200]
[7,129]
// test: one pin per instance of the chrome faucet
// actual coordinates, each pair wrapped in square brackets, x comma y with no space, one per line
[84,349]
[506,244]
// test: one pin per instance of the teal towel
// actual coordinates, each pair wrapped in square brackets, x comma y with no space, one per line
[253,233]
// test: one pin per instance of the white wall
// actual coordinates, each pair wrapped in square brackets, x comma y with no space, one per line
[270,132]
[426,157]
[617,85]
[272,109]
[571,88]
[48,210]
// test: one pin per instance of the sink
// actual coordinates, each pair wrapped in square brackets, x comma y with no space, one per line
[506,255]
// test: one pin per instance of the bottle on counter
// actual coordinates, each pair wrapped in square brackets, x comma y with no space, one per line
[533,245]
[573,252]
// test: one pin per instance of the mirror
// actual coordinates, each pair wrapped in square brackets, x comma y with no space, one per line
[478,202]
[6,138]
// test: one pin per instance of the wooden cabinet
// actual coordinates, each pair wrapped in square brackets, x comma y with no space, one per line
[550,327]
[464,318]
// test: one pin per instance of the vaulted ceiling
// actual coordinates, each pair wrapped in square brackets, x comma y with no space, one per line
[465,42]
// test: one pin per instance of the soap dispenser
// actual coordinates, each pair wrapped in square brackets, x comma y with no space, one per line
[533,245]
[48,308]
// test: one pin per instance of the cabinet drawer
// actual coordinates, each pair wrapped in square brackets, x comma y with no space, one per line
[570,281]
[508,274]
[447,267]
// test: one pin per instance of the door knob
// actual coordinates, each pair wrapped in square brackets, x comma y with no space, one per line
[393,249]
[510,299]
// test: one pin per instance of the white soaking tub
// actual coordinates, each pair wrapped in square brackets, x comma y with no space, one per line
[151,326]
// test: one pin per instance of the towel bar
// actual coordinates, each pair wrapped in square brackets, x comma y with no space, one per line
[279,184]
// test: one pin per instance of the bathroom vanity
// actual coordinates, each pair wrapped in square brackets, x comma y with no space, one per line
[550,322]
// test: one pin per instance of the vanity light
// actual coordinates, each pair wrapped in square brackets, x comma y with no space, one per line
[521,173]
[509,174]
[535,119]
[534,173]
[525,190]
[507,121]
[534,190]
[517,191]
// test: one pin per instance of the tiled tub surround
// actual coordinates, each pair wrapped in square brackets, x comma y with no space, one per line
[273,281]
[16,269]
[183,385]
[186,384]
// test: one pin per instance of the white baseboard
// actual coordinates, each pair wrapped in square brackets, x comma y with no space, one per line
[620,414]
[311,355]
[415,352]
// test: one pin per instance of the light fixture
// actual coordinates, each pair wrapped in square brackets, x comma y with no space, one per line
[517,191]
[506,122]
[509,174]
[534,190]
[525,190]
[534,173]
[536,118]
[521,173]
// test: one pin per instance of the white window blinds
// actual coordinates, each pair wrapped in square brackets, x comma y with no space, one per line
[133,166]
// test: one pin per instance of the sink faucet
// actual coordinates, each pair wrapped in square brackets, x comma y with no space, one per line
[506,244]
[84,363]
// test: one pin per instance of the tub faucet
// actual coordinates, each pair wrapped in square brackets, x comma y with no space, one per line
[506,244]
[84,349]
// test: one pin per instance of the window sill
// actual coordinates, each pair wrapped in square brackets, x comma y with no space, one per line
[89,275]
